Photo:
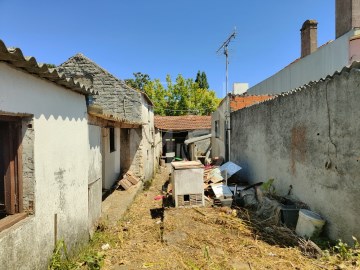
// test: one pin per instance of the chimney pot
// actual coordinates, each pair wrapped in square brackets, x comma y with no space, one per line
[308,37]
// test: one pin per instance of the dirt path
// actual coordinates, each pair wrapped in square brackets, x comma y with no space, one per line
[193,238]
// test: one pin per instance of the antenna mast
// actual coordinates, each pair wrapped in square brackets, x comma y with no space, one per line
[224,46]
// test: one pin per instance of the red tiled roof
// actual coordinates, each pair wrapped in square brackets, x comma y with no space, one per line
[238,102]
[186,122]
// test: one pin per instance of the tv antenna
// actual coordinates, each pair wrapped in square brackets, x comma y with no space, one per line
[224,47]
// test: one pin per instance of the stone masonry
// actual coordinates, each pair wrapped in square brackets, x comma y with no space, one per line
[115,97]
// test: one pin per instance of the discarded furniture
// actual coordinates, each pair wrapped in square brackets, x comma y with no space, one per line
[187,183]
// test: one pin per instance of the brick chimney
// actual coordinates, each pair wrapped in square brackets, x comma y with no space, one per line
[308,37]
[347,14]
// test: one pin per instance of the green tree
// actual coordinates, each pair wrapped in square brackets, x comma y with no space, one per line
[158,94]
[139,82]
[182,97]
[201,79]
[186,97]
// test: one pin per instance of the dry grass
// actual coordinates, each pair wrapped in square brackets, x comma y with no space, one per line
[201,238]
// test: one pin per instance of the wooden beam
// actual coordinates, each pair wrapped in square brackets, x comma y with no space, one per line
[9,117]
[103,122]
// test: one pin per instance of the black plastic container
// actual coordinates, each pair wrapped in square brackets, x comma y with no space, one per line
[289,215]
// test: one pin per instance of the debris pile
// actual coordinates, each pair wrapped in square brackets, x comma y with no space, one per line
[277,213]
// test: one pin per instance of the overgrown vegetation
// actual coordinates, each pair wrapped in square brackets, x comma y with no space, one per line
[90,257]
[60,258]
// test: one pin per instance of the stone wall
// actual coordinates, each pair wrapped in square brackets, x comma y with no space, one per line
[115,97]
[308,140]
[28,173]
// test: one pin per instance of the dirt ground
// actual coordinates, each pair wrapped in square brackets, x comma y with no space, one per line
[152,237]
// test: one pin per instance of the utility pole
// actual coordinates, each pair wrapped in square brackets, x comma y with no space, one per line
[224,46]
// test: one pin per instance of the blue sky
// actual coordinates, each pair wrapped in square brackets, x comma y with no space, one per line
[162,37]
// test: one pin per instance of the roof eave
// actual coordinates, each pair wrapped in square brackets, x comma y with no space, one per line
[15,58]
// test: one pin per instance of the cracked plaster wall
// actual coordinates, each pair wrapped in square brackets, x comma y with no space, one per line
[308,139]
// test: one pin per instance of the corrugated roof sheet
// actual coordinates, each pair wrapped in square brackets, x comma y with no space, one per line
[185,122]
[354,66]
[15,57]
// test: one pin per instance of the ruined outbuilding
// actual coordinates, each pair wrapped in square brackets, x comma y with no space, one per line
[176,129]
[121,122]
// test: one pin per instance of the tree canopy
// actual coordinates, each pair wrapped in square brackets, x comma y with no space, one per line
[139,82]
[201,79]
[181,97]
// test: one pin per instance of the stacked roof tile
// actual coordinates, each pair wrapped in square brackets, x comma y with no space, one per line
[238,102]
[183,123]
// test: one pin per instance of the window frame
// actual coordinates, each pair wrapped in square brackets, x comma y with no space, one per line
[11,159]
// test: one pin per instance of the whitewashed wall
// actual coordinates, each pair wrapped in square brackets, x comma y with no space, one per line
[218,143]
[95,176]
[61,165]
[148,150]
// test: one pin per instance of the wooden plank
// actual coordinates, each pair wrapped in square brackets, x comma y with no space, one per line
[125,184]
[8,221]
[131,178]
[187,164]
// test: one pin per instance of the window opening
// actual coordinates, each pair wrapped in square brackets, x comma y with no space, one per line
[112,140]
[217,135]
